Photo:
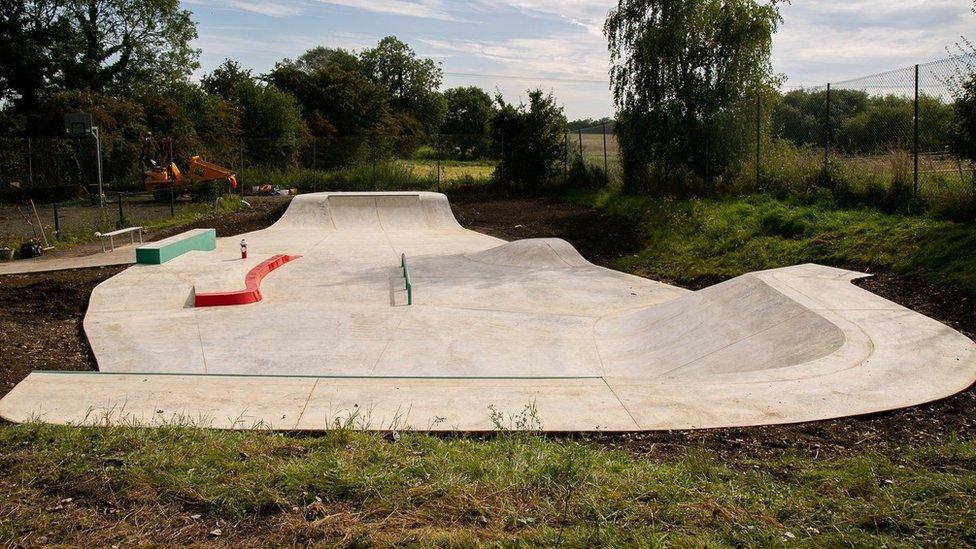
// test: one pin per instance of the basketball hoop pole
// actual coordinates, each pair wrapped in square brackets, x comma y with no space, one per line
[98,155]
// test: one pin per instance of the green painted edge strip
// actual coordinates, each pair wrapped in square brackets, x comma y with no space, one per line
[203,242]
[194,374]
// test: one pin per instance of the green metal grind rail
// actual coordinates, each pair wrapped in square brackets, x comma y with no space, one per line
[406,278]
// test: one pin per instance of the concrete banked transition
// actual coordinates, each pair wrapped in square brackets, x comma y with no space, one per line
[525,334]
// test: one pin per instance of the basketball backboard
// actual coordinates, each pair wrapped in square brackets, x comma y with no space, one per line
[78,124]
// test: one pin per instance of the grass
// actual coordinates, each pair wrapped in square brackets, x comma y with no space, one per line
[359,489]
[391,175]
[946,186]
[695,240]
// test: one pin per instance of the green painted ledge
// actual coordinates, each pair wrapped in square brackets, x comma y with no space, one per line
[161,251]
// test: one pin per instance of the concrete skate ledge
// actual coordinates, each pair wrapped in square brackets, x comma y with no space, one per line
[161,251]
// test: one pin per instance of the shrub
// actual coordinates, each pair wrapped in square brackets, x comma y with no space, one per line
[583,175]
[530,139]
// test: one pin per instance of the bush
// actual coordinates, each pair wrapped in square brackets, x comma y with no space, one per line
[586,176]
[530,140]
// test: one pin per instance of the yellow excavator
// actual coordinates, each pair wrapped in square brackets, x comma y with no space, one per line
[164,180]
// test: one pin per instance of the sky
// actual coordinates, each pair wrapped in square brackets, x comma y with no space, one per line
[511,46]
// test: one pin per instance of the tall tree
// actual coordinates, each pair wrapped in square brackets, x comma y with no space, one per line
[120,44]
[110,46]
[676,65]
[31,41]
[411,81]
[226,79]
[469,111]
[321,57]
[469,114]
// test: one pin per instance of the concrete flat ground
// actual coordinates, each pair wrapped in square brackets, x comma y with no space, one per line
[523,334]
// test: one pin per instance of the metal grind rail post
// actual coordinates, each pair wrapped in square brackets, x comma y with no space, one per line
[406,277]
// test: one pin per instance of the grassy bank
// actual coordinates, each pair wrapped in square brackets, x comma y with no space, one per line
[120,485]
[703,240]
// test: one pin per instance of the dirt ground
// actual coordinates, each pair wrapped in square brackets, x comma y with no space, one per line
[41,328]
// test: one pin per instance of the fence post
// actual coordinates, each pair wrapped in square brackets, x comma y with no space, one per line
[580,143]
[121,215]
[758,139]
[606,170]
[827,135]
[915,145]
[374,169]
[57,222]
[172,200]
[30,164]
[241,179]
[566,160]
[437,151]
[708,160]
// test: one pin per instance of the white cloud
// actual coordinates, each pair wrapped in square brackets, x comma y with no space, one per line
[588,14]
[427,9]
[270,9]
[260,7]
[558,56]
[831,40]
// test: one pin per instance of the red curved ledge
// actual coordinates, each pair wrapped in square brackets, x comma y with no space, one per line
[252,285]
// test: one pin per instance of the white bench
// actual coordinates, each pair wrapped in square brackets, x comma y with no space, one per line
[111,236]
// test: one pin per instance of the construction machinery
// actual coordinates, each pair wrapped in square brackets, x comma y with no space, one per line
[165,179]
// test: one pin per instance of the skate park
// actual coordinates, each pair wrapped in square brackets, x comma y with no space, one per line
[379,311]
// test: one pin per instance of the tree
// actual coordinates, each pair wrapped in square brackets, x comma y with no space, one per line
[31,35]
[676,65]
[339,104]
[964,133]
[111,46]
[584,123]
[469,114]
[226,79]
[412,83]
[118,45]
[320,57]
[530,140]
[271,124]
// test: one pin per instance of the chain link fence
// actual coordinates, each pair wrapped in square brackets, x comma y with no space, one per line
[49,187]
[885,140]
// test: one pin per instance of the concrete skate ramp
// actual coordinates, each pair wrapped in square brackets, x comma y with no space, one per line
[524,334]
[743,325]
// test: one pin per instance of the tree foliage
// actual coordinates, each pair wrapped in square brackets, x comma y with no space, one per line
[271,123]
[676,65]
[225,80]
[111,46]
[469,114]
[411,81]
[861,123]
[339,105]
[30,50]
[531,141]
[964,133]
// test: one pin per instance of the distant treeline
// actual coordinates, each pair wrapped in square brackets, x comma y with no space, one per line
[862,123]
